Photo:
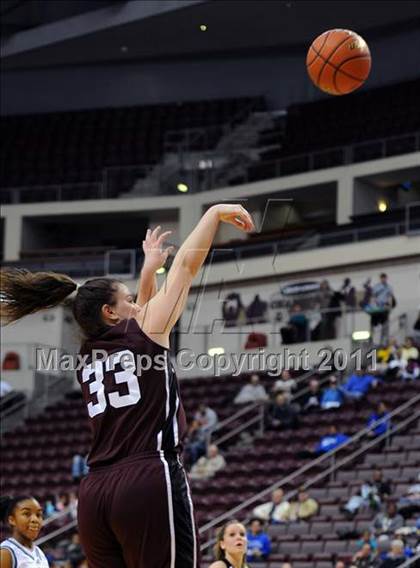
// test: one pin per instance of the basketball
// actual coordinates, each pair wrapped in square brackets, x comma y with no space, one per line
[338,62]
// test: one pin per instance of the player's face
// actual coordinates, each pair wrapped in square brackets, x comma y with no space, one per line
[124,305]
[234,539]
[27,519]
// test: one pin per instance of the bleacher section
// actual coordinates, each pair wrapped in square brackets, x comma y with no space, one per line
[37,457]
[323,128]
[74,147]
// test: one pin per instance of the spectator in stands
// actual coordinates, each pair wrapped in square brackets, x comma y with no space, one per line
[396,555]
[286,565]
[382,302]
[254,391]
[285,384]
[296,330]
[331,397]
[72,505]
[330,441]
[371,494]
[382,413]
[281,415]
[358,384]
[208,465]
[257,310]
[78,467]
[206,417]
[348,292]
[340,564]
[75,552]
[304,508]
[274,511]
[233,310]
[62,502]
[49,507]
[409,503]
[388,522]
[231,546]
[311,400]
[195,443]
[259,543]
[405,363]
[385,354]
[367,538]
[364,558]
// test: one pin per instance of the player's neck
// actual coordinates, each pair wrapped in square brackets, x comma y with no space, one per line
[23,540]
[235,559]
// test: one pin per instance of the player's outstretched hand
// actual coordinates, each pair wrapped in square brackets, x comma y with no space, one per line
[237,216]
[154,253]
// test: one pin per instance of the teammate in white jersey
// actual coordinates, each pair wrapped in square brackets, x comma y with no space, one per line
[24,516]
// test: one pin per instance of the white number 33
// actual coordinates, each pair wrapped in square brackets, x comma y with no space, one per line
[97,387]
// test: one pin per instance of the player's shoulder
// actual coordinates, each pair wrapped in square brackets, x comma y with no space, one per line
[218,564]
[7,555]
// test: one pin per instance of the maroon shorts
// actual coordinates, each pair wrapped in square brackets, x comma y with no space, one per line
[138,514]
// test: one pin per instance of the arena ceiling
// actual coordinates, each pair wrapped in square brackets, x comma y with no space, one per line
[76,32]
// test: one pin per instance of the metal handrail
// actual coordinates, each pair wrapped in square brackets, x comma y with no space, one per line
[317,461]
[259,405]
[332,469]
[411,561]
[56,533]
[254,405]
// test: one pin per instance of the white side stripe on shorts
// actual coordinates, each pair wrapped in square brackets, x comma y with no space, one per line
[192,517]
[170,509]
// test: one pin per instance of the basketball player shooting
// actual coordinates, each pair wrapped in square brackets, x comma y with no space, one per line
[135,508]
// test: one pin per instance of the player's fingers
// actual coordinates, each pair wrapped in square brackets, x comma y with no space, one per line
[155,232]
[163,236]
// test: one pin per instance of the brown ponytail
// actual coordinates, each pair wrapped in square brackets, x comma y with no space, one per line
[23,292]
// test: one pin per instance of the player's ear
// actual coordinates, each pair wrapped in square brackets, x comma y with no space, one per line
[108,313]
[11,520]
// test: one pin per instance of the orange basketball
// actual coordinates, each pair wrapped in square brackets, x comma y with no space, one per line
[338,61]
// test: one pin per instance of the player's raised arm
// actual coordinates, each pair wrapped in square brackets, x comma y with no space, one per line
[155,257]
[160,314]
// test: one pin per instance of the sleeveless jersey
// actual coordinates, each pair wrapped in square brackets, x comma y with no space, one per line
[132,395]
[23,557]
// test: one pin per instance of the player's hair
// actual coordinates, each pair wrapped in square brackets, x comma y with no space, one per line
[219,553]
[23,292]
[8,504]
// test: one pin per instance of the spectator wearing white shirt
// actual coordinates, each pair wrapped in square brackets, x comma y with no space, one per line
[206,417]
[208,465]
[285,384]
[275,511]
[254,391]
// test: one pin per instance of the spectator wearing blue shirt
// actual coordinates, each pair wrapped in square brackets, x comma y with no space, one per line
[358,384]
[381,413]
[331,441]
[332,397]
[259,543]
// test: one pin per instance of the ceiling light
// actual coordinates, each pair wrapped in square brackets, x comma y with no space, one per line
[360,335]
[182,187]
[216,351]
[382,206]
[203,28]
[123,49]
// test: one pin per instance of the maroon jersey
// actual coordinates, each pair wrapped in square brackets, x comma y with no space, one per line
[132,396]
